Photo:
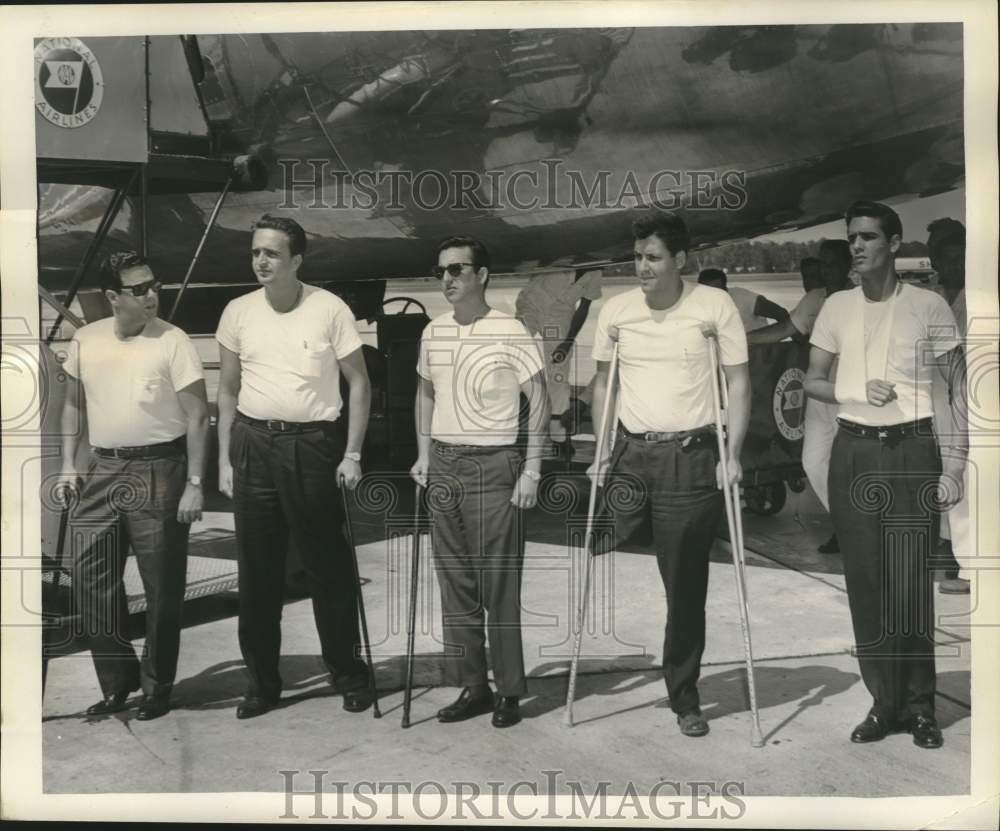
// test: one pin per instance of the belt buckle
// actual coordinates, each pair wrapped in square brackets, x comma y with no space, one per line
[650,436]
[275,425]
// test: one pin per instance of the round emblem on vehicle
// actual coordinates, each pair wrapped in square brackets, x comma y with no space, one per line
[788,404]
[69,85]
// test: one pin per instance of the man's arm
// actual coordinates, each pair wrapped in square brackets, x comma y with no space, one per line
[423,412]
[955,445]
[575,325]
[71,423]
[229,390]
[818,384]
[768,308]
[526,490]
[194,402]
[738,417]
[774,333]
[360,398]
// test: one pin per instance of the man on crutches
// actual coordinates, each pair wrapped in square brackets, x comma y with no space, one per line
[666,436]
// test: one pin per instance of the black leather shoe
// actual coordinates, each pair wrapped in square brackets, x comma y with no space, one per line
[692,723]
[255,705]
[466,706]
[357,701]
[507,712]
[926,732]
[151,707]
[831,546]
[873,729]
[114,703]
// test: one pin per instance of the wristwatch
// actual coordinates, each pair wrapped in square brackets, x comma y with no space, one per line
[533,475]
[194,480]
[354,457]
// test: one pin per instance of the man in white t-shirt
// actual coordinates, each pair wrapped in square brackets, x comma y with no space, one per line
[665,462]
[754,309]
[141,385]
[474,364]
[946,247]
[554,306]
[894,342]
[284,455]
[820,425]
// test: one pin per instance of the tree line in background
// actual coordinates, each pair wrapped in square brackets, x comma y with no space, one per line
[775,257]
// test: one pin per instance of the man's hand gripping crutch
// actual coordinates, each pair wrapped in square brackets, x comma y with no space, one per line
[604,444]
[728,474]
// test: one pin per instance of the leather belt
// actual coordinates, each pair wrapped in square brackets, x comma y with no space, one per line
[161,450]
[448,449]
[889,432]
[682,436]
[276,425]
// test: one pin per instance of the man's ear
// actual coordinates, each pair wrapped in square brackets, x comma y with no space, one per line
[112,297]
[483,275]
[296,262]
[680,258]
[894,242]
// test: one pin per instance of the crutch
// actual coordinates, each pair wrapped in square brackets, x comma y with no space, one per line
[411,628]
[588,535]
[361,600]
[734,519]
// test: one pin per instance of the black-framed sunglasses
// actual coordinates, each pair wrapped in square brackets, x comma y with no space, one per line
[454,269]
[141,289]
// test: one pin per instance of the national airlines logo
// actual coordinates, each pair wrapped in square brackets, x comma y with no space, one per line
[789,403]
[69,85]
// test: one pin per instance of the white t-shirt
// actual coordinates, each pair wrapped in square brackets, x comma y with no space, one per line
[477,371]
[289,362]
[548,302]
[807,310]
[131,385]
[663,360]
[745,301]
[922,326]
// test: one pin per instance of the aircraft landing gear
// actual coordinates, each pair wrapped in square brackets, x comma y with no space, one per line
[765,500]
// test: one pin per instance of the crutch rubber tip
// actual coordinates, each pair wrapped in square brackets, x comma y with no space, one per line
[406,723]
[756,739]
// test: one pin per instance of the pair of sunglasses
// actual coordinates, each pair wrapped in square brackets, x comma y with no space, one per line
[454,269]
[141,289]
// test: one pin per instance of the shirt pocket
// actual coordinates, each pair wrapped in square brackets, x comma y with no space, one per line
[148,390]
[315,359]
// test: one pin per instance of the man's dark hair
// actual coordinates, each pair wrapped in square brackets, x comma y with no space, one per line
[480,256]
[808,262]
[944,231]
[289,227]
[669,227]
[115,264]
[712,275]
[887,218]
[840,247]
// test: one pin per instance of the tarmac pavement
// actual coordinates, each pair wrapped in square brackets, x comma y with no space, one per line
[809,691]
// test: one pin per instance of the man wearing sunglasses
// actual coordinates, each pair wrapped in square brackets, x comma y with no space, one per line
[140,384]
[475,363]
[283,454]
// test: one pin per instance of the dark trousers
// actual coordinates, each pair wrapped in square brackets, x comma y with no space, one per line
[285,483]
[478,540]
[674,486]
[881,500]
[135,501]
